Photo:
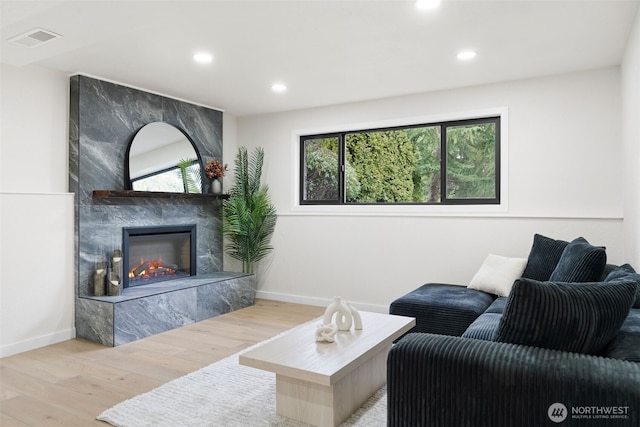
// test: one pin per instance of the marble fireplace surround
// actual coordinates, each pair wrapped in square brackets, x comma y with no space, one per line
[103,117]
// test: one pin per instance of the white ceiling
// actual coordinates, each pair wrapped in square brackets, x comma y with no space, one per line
[326,51]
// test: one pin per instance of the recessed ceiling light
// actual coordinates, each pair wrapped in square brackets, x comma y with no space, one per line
[203,57]
[278,87]
[466,55]
[427,4]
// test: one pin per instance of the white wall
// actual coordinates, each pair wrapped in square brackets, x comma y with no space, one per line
[36,212]
[34,130]
[564,181]
[631,143]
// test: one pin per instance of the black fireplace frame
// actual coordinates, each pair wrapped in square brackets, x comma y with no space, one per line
[128,232]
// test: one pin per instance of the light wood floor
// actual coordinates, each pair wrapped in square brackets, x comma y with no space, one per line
[70,383]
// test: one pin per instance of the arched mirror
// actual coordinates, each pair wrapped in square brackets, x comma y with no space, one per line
[161,157]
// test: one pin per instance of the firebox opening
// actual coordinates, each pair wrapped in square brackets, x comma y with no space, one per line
[155,254]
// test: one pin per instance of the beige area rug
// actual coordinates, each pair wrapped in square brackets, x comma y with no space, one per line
[223,394]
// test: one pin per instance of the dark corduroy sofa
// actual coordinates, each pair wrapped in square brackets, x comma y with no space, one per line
[465,364]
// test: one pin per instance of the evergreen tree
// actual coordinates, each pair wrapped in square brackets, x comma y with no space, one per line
[426,175]
[322,171]
[384,162]
[471,161]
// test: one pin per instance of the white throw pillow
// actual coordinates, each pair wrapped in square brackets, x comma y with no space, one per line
[497,274]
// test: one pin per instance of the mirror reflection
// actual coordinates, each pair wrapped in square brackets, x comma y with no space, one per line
[162,158]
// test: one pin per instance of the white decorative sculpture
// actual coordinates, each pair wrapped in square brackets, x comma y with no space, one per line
[326,332]
[342,312]
[346,315]
[357,320]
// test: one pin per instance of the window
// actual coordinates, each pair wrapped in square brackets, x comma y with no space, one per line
[446,163]
[184,177]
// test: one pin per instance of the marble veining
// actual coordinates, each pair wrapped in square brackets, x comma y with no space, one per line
[94,321]
[136,292]
[103,118]
[144,317]
[141,312]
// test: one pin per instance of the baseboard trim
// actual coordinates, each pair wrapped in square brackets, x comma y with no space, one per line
[34,343]
[321,302]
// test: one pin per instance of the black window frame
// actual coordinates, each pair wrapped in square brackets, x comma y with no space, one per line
[163,171]
[444,200]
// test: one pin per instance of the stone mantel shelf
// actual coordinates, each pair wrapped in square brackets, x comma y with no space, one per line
[110,194]
[138,292]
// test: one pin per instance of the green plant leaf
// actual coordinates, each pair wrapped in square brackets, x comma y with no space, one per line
[249,217]
[191,176]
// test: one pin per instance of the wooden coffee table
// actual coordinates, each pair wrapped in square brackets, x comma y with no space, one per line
[323,383]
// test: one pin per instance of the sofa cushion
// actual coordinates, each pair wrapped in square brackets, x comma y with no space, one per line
[626,273]
[497,306]
[626,344]
[486,326]
[581,318]
[441,308]
[497,274]
[607,270]
[543,257]
[580,262]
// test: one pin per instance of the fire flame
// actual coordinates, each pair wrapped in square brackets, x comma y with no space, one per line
[153,268]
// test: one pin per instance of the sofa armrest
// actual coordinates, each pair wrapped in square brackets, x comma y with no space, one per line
[436,380]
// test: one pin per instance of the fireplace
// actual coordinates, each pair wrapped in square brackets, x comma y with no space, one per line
[158,253]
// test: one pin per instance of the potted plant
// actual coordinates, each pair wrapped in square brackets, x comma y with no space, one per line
[215,171]
[249,217]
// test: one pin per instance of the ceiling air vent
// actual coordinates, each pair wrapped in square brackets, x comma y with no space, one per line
[34,38]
